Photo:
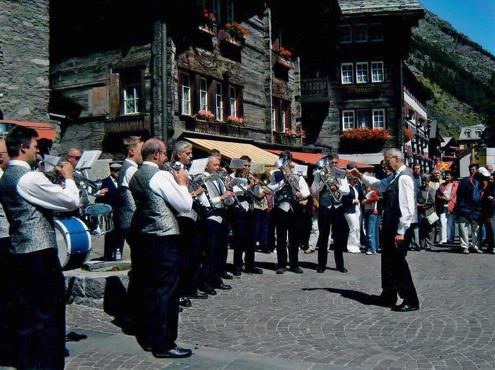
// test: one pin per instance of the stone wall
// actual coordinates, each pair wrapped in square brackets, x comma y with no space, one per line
[24,59]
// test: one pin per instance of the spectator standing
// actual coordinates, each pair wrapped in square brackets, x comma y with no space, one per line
[488,210]
[435,182]
[418,183]
[352,211]
[468,208]
[426,208]
[371,219]
[445,199]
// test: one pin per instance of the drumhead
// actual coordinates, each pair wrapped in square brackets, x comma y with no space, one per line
[98,209]
[73,242]
[62,245]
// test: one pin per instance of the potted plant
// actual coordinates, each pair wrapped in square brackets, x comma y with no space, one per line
[209,22]
[236,34]
[205,115]
[283,53]
[235,121]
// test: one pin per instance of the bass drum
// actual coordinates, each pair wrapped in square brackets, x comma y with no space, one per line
[73,242]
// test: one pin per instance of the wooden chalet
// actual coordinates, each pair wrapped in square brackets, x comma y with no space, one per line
[172,69]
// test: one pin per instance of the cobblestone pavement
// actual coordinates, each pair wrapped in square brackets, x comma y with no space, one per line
[318,321]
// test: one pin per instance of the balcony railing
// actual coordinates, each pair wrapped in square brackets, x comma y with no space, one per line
[216,128]
[129,123]
[284,139]
[316,87]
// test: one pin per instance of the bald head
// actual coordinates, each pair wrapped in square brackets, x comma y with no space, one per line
[4,155]
[73,156]
[155,151]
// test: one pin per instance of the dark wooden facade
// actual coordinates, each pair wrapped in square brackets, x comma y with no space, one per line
[154,68]
[352,66]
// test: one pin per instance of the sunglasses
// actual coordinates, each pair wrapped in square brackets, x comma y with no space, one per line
[78,157]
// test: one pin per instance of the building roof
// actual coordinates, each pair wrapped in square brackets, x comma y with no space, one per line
[44,129]
[312,158]
[473,130]
[351,7]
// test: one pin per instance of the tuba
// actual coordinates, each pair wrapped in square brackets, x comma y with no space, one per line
[325,168]
[283,164]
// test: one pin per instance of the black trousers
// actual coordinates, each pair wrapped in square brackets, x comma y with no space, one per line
[190,240]
[5,306]
[332,217]
[306,224]
[243,239]
[158,273]
[287,223]
[216,248]
[36,287]
[396,276]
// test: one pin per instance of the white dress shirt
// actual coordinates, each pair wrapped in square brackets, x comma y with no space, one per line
[276,186]
[164,185]
[318,185]
[193,215]
[129,173]
[35,188]
[407,201]
[217,202]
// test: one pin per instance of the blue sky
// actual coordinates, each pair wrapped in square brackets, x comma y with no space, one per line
[474,18]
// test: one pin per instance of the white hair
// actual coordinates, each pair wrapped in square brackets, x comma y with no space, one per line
[394,152]
[180,146]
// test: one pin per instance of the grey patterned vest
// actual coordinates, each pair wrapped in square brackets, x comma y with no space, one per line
[153,215]
[31,227]
[127,205]
[4,224]
[327,200]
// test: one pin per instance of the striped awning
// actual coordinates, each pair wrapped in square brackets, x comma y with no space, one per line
[231,150]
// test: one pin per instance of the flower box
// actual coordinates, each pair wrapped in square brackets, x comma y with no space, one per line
[363,140]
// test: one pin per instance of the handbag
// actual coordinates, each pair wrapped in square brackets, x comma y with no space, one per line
[432,218]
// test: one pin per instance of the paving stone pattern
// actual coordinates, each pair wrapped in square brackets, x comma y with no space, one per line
[319,321]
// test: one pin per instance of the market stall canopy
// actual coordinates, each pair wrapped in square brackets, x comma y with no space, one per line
[312,158]
[44,129]
[231,150]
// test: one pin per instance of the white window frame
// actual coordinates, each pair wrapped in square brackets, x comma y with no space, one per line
[219,102]
[233,101]
[358,79]
[365,33]
[133,96]
[274,119]
[345,126]
[283,117]
[349,27]
[374,124]
[373,79]
[342,65]
[383,32]
[203,94]
[185,95]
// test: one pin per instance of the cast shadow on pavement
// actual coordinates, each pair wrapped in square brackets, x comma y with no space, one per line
[363,298]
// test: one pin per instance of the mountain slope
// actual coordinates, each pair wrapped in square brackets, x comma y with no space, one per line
[459,73]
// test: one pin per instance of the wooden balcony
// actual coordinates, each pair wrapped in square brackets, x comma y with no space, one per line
[281,61]
[129,123]
[216,128]
[314,90]
[284,139]
[208,29]
[227,39]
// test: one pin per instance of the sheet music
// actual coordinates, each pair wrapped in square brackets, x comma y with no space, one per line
[198,166]
[338,173]
[300,170]
[50,161]
[236,163]
[258,168]
[88,158]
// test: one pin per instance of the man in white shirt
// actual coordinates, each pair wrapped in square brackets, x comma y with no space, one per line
[214,199]
[289,190]
[399,212]
[35,276]
[159,195]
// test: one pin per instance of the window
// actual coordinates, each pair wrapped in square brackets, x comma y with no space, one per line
[219,102]
[233,101]
[478,133]
[361,73]
[375,32]
[348,119]
[185,90]
[468,133]
[360,33]
[345,34]
[283,122]
[378,118]
[346,73]
[377,74]
[131,91]
[363,118]
[203,94]
[274,119]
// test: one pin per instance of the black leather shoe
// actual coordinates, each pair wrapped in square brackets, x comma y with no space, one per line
[254,270]
[237,272]
[320,270]
[208,290]
[343,270]
[227,276]
[382,300]
[175,352]
[224,286]
[198,295]
[185,302]
[297,270]
[404,307]
[280,270]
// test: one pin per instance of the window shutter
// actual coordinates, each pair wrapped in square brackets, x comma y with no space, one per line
[240,101]
[142,92]
[115,95]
